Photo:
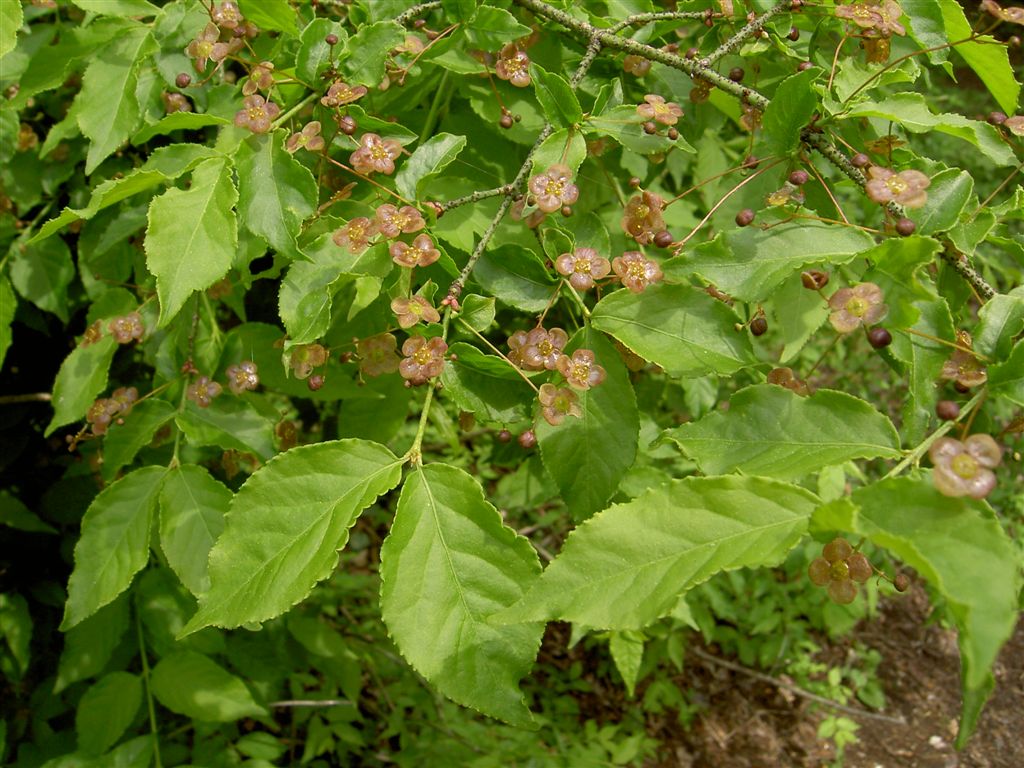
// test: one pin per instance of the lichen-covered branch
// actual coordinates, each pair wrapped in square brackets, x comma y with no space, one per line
[417,10]
[745,33]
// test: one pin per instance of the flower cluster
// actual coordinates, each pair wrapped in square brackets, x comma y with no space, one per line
[965,468]
[580,369]
[553,188]
[256,114]
[341,93]
[355,236]
[558,402]
[423,359]
[260,78]
[376,154]
[393,221]
[852,307]
[906,187]
[642,219]
[108,409]
[421,253]
[538,349]
[305,358]
[840,569]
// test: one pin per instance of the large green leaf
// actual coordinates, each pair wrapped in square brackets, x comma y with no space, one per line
[485,385]
[42,273]
[772,431]
[192,236]
[628,565]
[10,22]
[231,423]
[950,192]
[305,299]
[447,564]
[557,99]
[515,276]
[959,546]
[588,456]
[8,305]
[1000,321]
[89,645]
[368,51]
[81,378]
[680,328]
[749,263]
[1007,379]
[988,57]
[108,108]
[271,14]
[106,710]
[192,510]
[114,543]
[190,684]
[791,108]
[275,191]
[429,159]
[911,111]
[285,527]
[123,441]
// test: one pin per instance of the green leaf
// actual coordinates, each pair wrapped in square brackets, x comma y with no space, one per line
[368,51]
[679,327]
[16,635]
[8,305]
[285,527]
[42,273]
[492,27]
[118,7]
[11,19]
[1007,379]
[231,423]
[477,311]
[561,147]
[89,645]
[306,296]
[926,27]
[588,456]
[750,263]
[192,510]
[624,125]
[949,193]
[557,99]
[429,159]
[446,565]
[80,380]
[485,385]
[123,441]
[114,543]
[896,265]
[192,685]
[276,192]
[627,650]
[772,431]
[459,10]
[106,710]
[108,108]
[791,108]
[314,52]
[515,276]
[271,14]
[177,121]
[911,111]
[1000,321]
[960,548]
[925,358]
[192,236]
[986,56]
[628,565]
[16,515]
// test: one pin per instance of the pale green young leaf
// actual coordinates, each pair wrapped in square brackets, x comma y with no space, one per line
[228,422]
[1000,321]
[368,51]
[42,273]
[177,121]
[11,18]
[191,684]
[123,441]
[627,650]
[106,710]
[8,305]
[271,14]
[988,57]
[114,543]
[960,548]
[80,380]
[557,99]
[275,191]
[791,108]
[108,108]
[140,8]
[89,644]
[426,162]
[285,527]
[628,565]
[679,327]
[192,236]
[192,509]
[772,431]
[447,564]
[750,263]
[588,456]
[314,52]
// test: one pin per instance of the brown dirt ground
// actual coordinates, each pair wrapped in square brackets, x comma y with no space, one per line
[754,724]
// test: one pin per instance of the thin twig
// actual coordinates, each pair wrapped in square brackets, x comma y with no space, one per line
[31,397]
[751,29]
[417,10]
[308,703]
[475,197]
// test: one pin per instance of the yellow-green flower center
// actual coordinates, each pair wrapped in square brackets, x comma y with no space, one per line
[857,306]
[964,465]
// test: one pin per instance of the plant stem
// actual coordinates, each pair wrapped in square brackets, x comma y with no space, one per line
[284,116]
[751,29]
[475,197]
[149,694]
[499,353]
[922,448]
[417,10]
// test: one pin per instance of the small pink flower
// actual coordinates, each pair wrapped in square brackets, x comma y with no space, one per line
[557,403]
[1015,125]
[308,138]
[965,469]
[881,19]
[637,66]
[635,271]
[260,78]
[307,357]
[642,219]
[227,15]
[200,49]
[421,253]
[127,328]
[393,221]
[852,307]
[413,310]
[202,391]
[581,370]
[906,187]
[376,154]
[424,359]
[554,188]
[355,235]
[516,342]
[541,349]
[256,114]
[378,354]
[243,376]
[513,65]
[582,267]
[963,367]
[656,108]
[341,93]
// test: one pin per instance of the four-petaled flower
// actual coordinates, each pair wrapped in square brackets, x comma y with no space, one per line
[636,271]
[378,354]
[201,49]
[421,253]
[203,390]
[581,370]
[656,108]
[963,366]
[965,469]
[882,20]
[642,219]
[906,187]
[540,349]
[513,65]
[104,410]
[260,78]
[1015,125]
[393,221]
[424,359]
[840,569]
[375,154]
[413,310]
[242,376]
[582,267]
[355,235]
[308,138]
[256,114]
[127,328]
[636,65]
[557,403]
[1013,14]
[227,15]
[307,357]
[175,102]
[852,307]
[554,188]
[341,93]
